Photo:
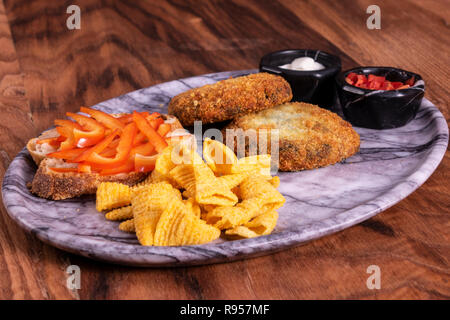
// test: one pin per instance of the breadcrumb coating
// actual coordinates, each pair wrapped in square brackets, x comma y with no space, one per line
[229,98]
[309,136]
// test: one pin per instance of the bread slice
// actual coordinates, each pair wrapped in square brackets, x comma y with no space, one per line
[63,185]
[54,185]
[309,136]
[39,151]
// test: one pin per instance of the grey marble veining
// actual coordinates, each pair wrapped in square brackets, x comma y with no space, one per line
[390,165]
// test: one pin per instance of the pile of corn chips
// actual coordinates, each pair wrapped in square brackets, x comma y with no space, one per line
[186,201]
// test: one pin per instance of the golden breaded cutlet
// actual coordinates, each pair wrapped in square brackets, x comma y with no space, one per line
[229,98]
[309,136]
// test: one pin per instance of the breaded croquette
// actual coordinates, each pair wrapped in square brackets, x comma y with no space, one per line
[229,98]
[309,136]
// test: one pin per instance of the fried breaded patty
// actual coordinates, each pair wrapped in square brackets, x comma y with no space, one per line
[309,136]
[229,98]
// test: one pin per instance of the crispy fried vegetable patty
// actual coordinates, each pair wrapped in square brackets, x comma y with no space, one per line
[230,98]
[309,136]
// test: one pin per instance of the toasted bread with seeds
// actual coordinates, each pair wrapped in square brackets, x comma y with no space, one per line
[53,185]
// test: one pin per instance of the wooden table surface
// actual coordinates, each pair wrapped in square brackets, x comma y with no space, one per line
[46,70]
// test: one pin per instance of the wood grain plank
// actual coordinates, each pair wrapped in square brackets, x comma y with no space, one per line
[28,268]
[137,44]
[405,39]
[124,46]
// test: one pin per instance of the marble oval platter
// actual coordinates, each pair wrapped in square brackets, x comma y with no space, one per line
[390,165]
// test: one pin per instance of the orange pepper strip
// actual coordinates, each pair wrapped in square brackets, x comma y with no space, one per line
[67,123]
[108,152]
[128,166]
[140,137]
[144,163]
[95,131]
[68,154]
[127,118]
[102,145]
[67,143]
[123,149]
[84,168]
[104,118]
[111,151]
[163,129]
[54,142]
[145,149]
[155,123]
[148,116]
[153,137]
[65,130]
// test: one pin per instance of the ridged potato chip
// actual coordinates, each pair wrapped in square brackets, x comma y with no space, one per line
[257,186]
[120,214]
[192,206]
[148,205]
[178,226]
[259,226]
[163,230]
[258,164]
[111,195]
[218,156]
[201,183]
[275,181]
[233,180]
[230,217]
[259,197]
[168,160]
[127,226]
[241,232]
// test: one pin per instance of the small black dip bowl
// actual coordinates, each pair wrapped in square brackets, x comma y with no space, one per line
[380,109]
[317,87]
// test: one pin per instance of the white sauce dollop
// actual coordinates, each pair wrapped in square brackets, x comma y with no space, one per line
[303,64]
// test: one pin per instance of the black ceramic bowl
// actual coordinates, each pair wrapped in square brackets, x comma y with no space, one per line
[379,109]
[317,87]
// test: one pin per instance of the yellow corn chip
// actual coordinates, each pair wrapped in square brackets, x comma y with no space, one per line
[192,206]
[259,164]
[233,180]
[177,227]
[144,182]
[127,226]
[163,166]
[186,194]
[120,214]
[218,156]
[261,225]
[201,183]
[207,207]
[163,231]
[264,223]
[112,195]
[259,197]
[230,217]
[148,205]
[257,186]
[275,181]
[242,232]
